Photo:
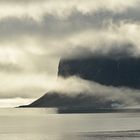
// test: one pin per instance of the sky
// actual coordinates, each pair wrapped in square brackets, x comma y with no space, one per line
[35,34]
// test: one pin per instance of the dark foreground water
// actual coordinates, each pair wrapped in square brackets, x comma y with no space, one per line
[45,124]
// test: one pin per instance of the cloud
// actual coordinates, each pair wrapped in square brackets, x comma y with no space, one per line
[14,102]
[34,60]
[60,8]
[34,35]
[120,36]
[25,85]
[73,86]
[37,38]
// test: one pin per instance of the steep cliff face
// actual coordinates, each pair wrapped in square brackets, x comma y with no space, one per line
[104,70]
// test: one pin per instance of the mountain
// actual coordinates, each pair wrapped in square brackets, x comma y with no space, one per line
[124,71]
[58,100]
[110,71]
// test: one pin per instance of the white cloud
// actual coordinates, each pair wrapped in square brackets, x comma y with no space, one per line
[26,85]
[15,102]
[75,85]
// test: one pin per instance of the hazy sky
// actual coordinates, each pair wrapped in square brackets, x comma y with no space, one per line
[34,34]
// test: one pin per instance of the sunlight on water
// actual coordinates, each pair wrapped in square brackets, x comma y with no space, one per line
[45,124]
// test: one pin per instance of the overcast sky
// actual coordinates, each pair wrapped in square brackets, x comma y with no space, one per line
[35,34]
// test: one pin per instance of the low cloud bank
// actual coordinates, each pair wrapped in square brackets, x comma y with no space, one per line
[73,86]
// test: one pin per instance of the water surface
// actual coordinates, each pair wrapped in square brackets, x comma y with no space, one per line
[45,124]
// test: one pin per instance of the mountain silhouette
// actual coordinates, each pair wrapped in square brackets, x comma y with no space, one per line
[110,71]
[104,70]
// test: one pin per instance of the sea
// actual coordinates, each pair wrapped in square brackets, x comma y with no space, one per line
[47,124]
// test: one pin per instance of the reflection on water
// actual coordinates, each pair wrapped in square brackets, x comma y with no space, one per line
[44,124]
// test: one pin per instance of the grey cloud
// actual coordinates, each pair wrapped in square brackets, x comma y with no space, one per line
[51,26]
[131,15]
[48,27]
[10,68]
[116,50]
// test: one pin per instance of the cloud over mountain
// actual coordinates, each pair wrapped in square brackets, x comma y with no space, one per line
[35,34]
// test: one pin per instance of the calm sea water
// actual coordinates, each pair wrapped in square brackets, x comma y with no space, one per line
[45,124]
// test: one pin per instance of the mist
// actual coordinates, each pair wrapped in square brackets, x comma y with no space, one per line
[74,86]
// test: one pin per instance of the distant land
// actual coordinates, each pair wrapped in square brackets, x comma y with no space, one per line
[106,70]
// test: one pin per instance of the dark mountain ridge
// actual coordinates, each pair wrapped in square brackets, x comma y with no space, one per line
[104,70]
